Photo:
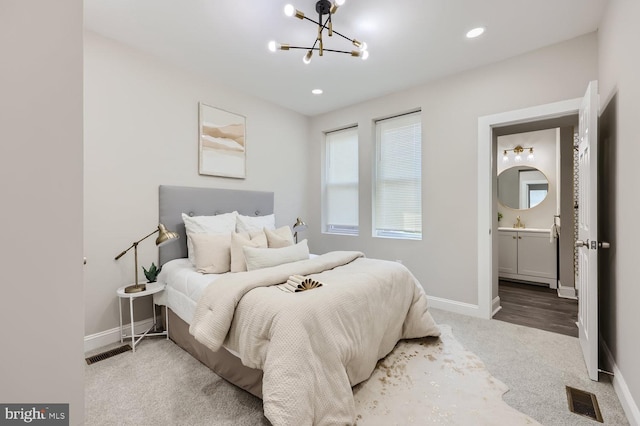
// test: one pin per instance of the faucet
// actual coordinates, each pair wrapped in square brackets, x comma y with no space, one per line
[518,224]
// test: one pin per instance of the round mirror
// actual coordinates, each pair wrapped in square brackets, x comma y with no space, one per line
[522,187]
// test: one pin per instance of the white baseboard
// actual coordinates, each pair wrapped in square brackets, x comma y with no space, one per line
[551,282]
[495,306]
[107,337]
[566,292]
[454,306]
[620,386]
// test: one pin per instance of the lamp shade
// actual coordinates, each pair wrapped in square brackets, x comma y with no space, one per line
[299,225]
[164,235]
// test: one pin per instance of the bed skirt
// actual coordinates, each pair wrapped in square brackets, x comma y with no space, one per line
[222,362]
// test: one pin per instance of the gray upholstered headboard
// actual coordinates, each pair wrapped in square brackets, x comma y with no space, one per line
[175,200]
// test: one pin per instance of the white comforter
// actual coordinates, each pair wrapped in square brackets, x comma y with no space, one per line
[313,346]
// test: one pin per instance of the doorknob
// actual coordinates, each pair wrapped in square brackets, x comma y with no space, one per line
[603,244]
[580,243]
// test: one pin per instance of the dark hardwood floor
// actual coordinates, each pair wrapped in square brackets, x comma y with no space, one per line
[537,306]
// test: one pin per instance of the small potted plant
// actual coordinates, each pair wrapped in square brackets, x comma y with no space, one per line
[152,272]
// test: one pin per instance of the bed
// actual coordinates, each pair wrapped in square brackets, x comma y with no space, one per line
[301,352]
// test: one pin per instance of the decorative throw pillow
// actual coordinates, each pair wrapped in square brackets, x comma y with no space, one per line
[240,240]
[255,223]
[212,252]
[258,258]
[219,224]
[278,238]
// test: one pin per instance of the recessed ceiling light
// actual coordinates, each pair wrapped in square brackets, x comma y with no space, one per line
[317,91]
[476,32]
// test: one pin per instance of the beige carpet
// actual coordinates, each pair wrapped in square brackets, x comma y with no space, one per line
[163,385]
[422,382]
[434,381]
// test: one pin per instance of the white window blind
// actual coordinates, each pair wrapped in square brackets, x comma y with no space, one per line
[398,178]
[341,182]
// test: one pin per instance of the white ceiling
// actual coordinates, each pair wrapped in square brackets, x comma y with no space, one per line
[410,41]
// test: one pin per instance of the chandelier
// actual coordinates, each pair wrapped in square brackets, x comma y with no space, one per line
[325,9]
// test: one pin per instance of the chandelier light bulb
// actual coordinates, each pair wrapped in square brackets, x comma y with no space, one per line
[339,2]
[359,44]
[273,46]
[364,55]
[307,57]
[289,10]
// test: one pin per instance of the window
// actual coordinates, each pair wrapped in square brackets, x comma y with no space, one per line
[341,182]
[537,193]
[398,178]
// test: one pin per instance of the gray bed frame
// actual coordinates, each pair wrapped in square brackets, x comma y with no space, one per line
[175,200]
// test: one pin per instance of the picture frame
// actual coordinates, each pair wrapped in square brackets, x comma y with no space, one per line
[221,143]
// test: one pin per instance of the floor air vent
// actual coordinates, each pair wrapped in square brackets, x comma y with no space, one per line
[108,354]
[583,403]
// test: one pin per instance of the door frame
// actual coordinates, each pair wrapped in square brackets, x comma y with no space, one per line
[488,304]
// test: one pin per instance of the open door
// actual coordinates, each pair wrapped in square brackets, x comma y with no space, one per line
[587,242]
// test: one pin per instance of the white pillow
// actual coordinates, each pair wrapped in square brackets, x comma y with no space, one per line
[212,252]
[219,224]
[278,238]
[257,258]
[240,240]
[255,223]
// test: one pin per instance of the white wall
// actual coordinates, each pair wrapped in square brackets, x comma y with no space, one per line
[41,215]
[545,159]
[446,260]
[141,131]
[620,100]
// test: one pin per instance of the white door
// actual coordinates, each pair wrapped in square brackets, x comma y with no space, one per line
[587,242]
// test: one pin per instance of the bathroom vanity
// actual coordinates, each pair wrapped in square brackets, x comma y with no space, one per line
[527,254]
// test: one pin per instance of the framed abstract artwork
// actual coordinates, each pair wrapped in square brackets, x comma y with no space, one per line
[222,143]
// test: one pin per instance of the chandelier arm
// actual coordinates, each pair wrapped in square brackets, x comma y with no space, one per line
[314,21]
[336,51]
[325,27]
[312,47]
[316,48]
[343,36]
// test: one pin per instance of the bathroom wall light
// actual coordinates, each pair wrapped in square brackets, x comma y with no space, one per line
[518,150]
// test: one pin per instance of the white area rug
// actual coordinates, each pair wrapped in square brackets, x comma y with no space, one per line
[434,381]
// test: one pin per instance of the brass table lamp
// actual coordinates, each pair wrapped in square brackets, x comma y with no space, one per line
[298,226]
[164,237]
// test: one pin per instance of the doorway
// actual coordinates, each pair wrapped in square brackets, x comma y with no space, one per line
[525,119]
[536,286]
[587,243]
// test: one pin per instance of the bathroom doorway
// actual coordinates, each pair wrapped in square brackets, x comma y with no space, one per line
[535,195]
[588,243]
